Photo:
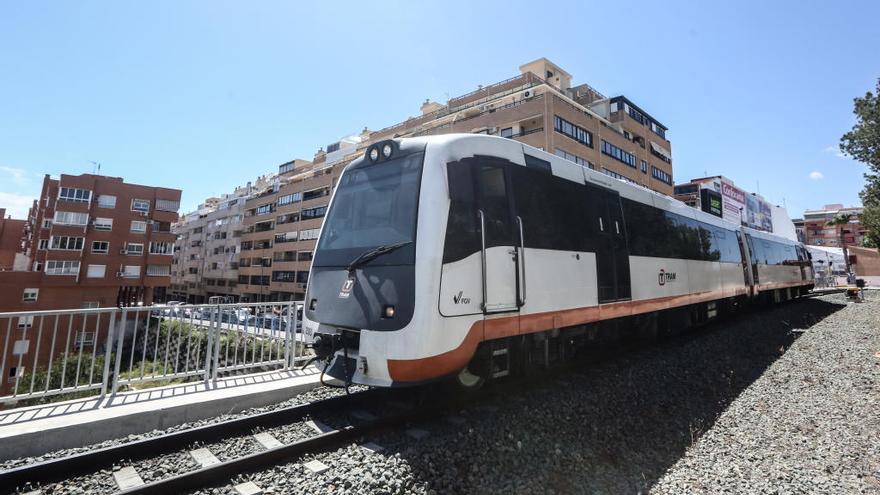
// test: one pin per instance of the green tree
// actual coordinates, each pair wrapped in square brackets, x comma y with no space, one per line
[839,222]
[862,143]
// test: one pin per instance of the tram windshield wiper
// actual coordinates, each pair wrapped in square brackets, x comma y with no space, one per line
[374,253]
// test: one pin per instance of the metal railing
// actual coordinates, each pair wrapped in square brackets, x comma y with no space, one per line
[80,351]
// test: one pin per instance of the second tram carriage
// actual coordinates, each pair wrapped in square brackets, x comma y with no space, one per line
[471,256]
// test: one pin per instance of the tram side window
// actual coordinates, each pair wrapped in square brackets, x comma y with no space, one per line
[647,230]
[661,234]
[462,231]
[552,209]
[495,206]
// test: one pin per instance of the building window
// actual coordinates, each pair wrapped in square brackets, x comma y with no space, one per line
[38,266]
[283,276]
[73,194]
[286,167]
[316,193]
[106,201]
[644,167]
[286,237]
[160,247]
[577,133]
[84,339]
[100,247]
[166,205]
[47,223]
[661,175]
[30,295]
[71,218]
[43,244]
[62,267]
[507,132]
[131,271]
[288,218]
[103,224]
[289,198]
[96,271]
[308,234]
[65,243]
[302,277]
[264,209]
[138,226]
[304,256]
[658,130]
[316,212]
[158,270]
[618,154]
[141,205]
[134,248]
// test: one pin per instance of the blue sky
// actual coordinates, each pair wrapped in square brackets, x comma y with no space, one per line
[206,95]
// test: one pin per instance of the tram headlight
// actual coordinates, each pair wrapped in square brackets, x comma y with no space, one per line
[388,312]
[386,150]
[374,154]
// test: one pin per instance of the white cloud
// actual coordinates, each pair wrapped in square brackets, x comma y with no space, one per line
[816,175]
[16,204]
[18,176]
[835,150]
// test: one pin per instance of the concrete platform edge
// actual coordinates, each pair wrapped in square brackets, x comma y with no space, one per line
[32,442]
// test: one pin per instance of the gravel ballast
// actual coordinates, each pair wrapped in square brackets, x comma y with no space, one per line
[810,424]
[746,406]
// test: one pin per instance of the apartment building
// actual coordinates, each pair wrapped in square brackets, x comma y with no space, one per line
[282,225]
[208,246]
[12,234]
[540,107]
[94,241]
[819,233]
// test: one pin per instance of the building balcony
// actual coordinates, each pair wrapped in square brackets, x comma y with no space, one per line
[164,216]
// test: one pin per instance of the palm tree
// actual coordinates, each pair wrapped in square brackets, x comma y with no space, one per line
[839,221]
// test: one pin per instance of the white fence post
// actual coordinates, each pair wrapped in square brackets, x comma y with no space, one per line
[120,337]
[216,350]
[108,347]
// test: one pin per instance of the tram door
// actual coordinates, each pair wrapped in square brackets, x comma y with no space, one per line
[498,228]
[612,253]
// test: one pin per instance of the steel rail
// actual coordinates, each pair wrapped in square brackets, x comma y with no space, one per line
[92,461]
[224,472]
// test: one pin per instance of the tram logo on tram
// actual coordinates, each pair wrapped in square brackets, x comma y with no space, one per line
[665,276]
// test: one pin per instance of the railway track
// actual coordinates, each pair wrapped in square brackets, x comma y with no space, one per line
[368,412]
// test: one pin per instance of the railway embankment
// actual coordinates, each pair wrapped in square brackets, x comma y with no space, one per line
[781,400]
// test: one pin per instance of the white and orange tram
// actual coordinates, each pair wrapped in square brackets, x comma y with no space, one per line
[470,256]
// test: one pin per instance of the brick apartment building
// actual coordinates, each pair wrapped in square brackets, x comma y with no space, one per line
[817,232]
[538,107]
[12,233]
[93,241]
